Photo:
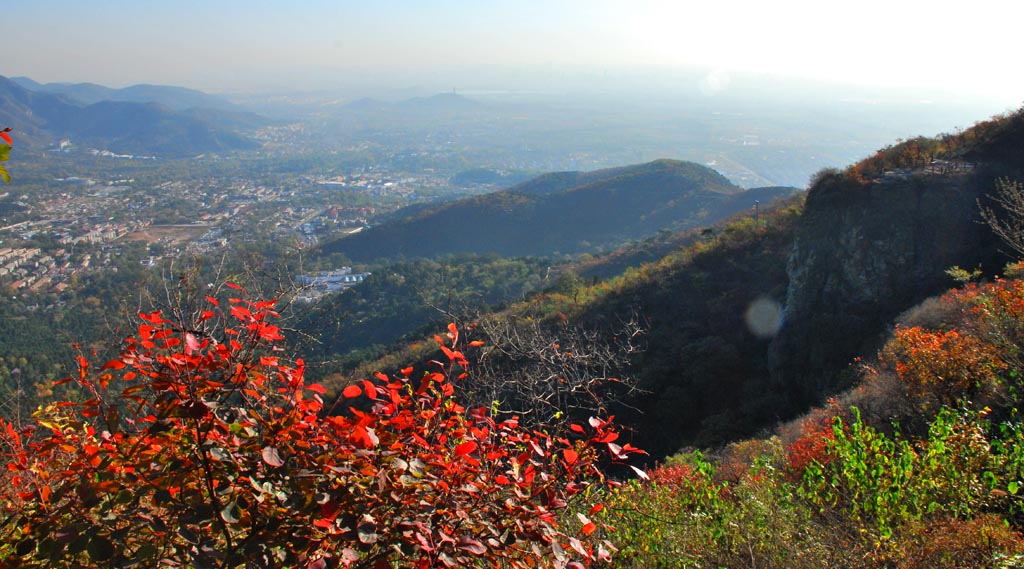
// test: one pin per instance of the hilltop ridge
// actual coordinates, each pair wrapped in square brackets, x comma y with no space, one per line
[562,212]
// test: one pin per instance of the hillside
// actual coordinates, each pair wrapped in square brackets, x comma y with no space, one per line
[914,459]
[565,212]
[833,273]
[702,371]
[42,119]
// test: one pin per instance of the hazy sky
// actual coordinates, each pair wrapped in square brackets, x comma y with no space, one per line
[230,45]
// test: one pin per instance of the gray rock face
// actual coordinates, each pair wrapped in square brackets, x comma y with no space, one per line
[863,253]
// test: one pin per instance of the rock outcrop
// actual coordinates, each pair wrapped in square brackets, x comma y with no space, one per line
[863,253]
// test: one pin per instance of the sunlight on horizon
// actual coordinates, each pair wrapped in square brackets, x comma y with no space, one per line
[233,45]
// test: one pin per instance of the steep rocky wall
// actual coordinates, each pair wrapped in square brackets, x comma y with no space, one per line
[863,253]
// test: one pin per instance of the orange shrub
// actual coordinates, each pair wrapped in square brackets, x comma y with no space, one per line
[947,365]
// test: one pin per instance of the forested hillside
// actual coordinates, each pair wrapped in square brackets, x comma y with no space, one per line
[867,246]
[563,213]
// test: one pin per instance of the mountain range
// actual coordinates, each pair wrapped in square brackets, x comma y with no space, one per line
[563,212]
[157,122]
[175,98]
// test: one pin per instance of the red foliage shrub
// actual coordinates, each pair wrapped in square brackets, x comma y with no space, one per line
[816,434]
[674,476]
[204,446]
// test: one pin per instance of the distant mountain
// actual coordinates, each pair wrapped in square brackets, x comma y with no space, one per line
[29,113]
[234,120]
[565,212]
[27,83]
[440,102]
[41,118]
[175,98]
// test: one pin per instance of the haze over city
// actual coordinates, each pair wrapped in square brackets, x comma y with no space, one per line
[359,47]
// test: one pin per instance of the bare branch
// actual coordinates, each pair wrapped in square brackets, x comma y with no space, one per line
[1006,219]
[545,372]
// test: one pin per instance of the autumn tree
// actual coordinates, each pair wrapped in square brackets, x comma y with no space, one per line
[202,445]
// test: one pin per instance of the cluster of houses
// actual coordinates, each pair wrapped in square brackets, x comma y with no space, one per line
[315,286]
[30,269]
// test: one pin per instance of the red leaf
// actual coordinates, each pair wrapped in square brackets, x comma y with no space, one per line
[113,364]
[234,286]
[465,448]
[7,137]
[407,371]
[352,391]
[578,546]
[191,344]
[271,456]
[616,450]
[471,545]
[317,388]
[476,343]
[643,475]
[241,313]
[571,456]
[576,428]
[270,332]
[153,318]
[597,508]
[628,448]
[448,353]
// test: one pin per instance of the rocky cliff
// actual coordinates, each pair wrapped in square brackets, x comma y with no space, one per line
[866,251]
